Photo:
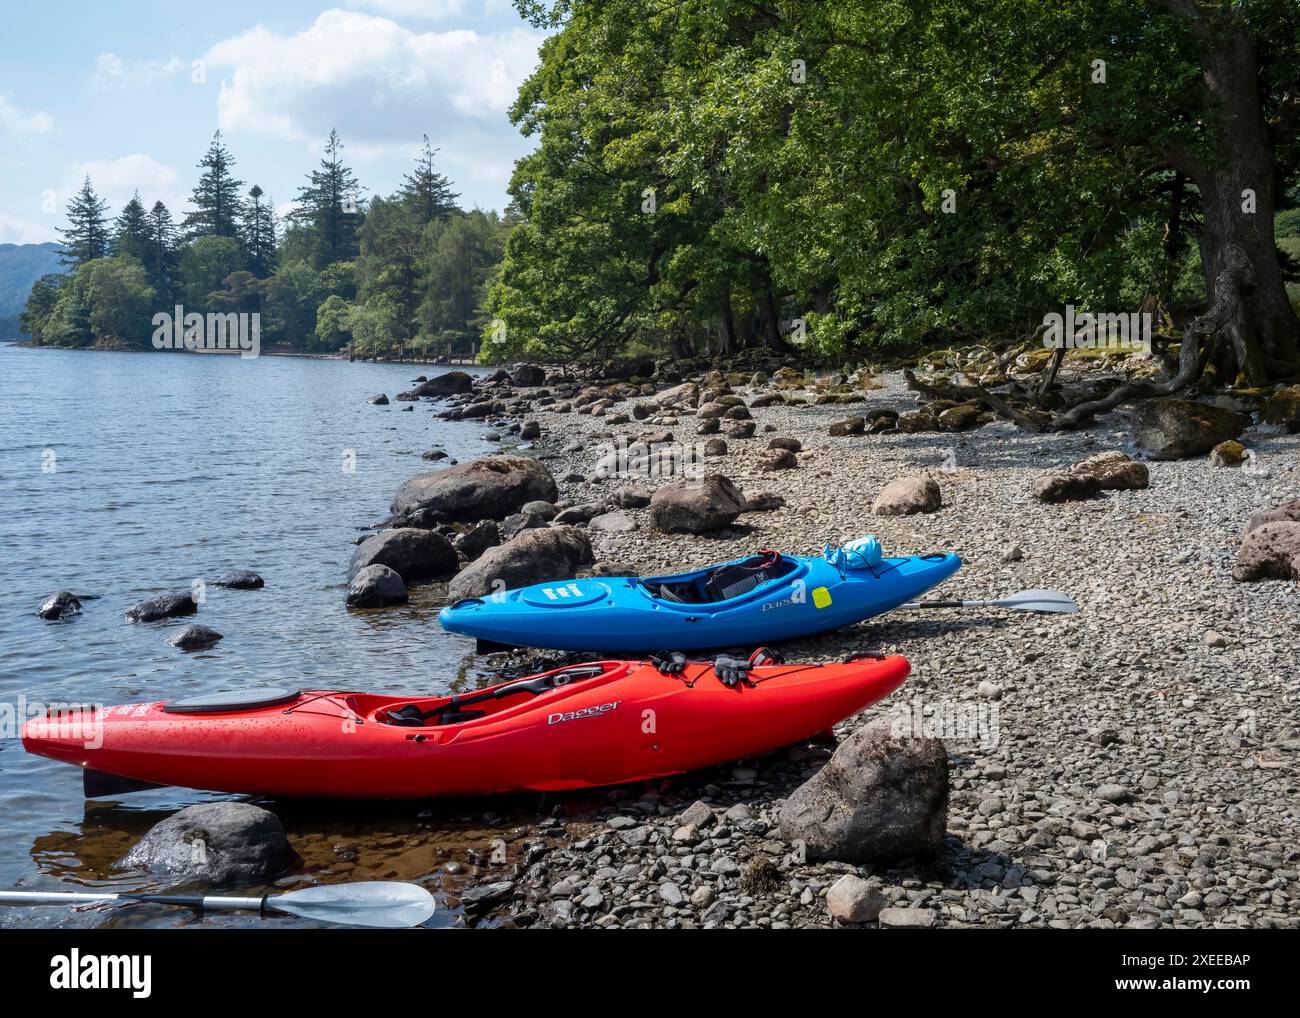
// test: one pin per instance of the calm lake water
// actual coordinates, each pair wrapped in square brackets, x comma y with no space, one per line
[128,475]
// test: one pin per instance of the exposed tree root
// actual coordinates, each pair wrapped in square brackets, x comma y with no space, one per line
[1226,318]
[962,393]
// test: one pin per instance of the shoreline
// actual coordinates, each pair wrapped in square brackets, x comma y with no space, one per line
[304,354]
[1118,787]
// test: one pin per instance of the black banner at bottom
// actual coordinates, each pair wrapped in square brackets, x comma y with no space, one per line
[337,967]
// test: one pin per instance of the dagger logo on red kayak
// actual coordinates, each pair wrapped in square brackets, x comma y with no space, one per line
[585,712]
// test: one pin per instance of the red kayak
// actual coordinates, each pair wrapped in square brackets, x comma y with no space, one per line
[576,727]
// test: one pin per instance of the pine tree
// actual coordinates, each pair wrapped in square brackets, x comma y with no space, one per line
[160,260]
[217,205]
[330,204]
[259,233]
[426,192]
[131,231]
[86,237]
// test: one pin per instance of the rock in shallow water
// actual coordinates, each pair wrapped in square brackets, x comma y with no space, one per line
[376,586]
[240,579]
[195,638]
[413,554]
[220,842]
[492,487]
[60,606]
[164,606]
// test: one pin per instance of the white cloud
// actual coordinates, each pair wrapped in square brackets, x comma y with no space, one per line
[373,79]
[427,9]
[115,180]
[20,231]
[111,71]
[15,121]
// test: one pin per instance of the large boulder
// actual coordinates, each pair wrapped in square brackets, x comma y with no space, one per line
[679,395]
[1287,512]
[164,606]
[218,842]
[475,541]
[1067,487]
[453,383]
[906,496]
[413,554]
[493,487]
[1172,429]
[376,586]
[696,506]
[1270,551]
[879,799]
[848,426]
[1283,408]
[1114,471]
[528,376]
[547,553]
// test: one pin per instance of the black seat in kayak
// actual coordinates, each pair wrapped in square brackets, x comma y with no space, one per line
[726,582]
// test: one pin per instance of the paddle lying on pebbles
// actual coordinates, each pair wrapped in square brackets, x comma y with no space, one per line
[387,904]
[1047,601]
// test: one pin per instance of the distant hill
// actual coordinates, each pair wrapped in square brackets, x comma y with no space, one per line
[20,266]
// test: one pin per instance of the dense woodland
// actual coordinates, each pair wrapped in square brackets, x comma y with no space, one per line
[712,175]
[381,277]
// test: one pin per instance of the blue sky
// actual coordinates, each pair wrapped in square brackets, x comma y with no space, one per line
[131,93]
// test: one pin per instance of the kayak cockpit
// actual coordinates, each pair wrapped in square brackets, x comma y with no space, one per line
[726,582]
[506,697]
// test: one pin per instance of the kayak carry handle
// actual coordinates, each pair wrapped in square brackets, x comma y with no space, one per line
[465,602]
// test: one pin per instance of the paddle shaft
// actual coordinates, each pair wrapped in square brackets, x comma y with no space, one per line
[190,900]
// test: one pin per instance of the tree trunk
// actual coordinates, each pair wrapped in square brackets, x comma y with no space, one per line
[770,318]
[1268,341]
[727,327]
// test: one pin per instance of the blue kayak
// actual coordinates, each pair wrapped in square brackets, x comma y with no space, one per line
[745,602]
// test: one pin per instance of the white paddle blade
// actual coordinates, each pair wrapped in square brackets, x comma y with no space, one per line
[381,903]
[1038,601]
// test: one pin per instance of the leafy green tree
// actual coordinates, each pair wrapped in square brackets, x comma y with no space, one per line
[330,206]
[461,256]
[40,304]
[292,296]
[131,231]
[426,192]
[241,291]
[204,265]
[374,325]
[120,300]
[258,230]
[218,206]
[707,171]
[340,278]
[333,322]
[391,241]
[86,236]
[108,299]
